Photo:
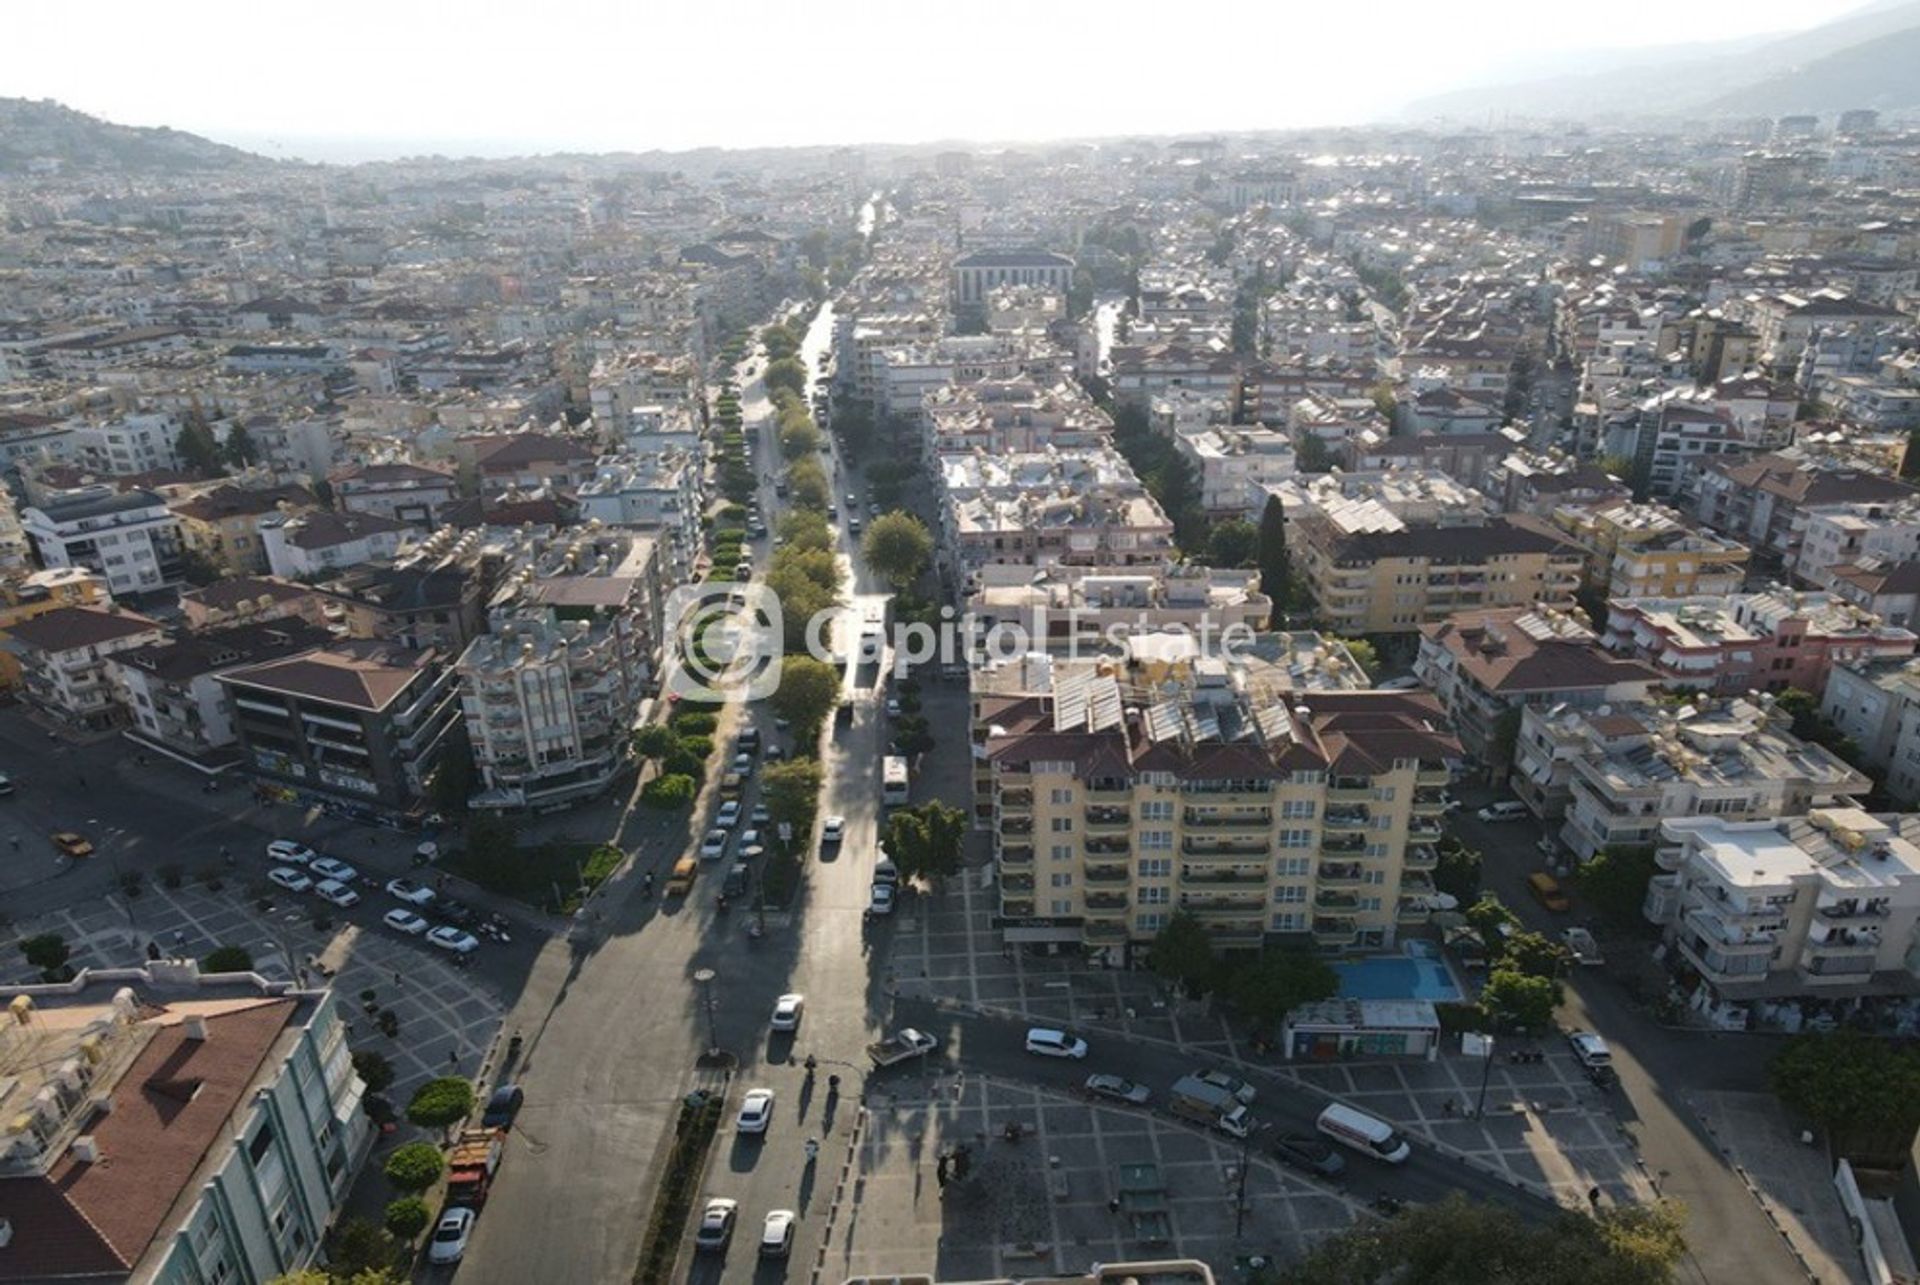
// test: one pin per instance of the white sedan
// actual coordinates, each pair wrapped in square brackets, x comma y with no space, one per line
[714,846]
[293,853]
[450,1235]
[404,921]
[1051,1043]
[333,868]
[880,899]
[447,937]
[414,894]
[756,1111]
[336,892]
[289,878]
[751,844]
[786,1012]
[729,814]
[834,830]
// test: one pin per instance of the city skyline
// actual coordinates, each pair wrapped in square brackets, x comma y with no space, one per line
[415,89]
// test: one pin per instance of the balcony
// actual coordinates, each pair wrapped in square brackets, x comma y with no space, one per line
[1335,930]
[1106,872]
[1670,856]
[1011,882]
[1257,819]
[1341,872]
[1239,877]
[1223,847]
[1015,801]
[1112,901]
[1109,791]
[1108,847]
[1412,910]
[1016,825]
[1016,907]
[1350,789]
[1109,819]
[1433,774]
[1343,843]
[1346,819]
[1851,939]
[1104,930]
[1422,856]
[1222,903]
[1327,899]
[1853,909]
[1423,830]
[1429,803]
[1730,941]
[1016,854]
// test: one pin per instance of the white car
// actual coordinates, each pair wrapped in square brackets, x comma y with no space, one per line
[756,1111]
[447,937]
[404,921]
[716,1224]
[290,879]
[893,707]
[336,892]
[776,1233]
[333,868]
[714,846]
[743,763]
[1590,1049]
[752,844]
[450,1235]
[833,831]
[1051,1043]
[287,850]
[880,899]
[760,815]
[729,814]
[414,894]
[786,1012]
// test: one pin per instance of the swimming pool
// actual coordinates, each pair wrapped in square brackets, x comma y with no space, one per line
[1396,977]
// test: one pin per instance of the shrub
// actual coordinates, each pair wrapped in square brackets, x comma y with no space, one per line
[374,1070]
[439,1103]
[414,1167]
[407,1217]
[675,790]
[694,724]
[389,1024]
[701,747]
[172,875]
[227,959]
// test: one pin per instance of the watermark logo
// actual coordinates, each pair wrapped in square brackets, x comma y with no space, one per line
[725,640]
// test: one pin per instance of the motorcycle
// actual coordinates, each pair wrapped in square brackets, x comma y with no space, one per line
[646,884]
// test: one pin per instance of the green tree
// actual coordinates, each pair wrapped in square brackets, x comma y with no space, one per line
[807,485]
[803,529]
[406,1217]
[1910,462]
[1311,454]
[780,342]
[1615,883]
[786,373]
[1458,871]
[453,778]
[1862,1090]
[1515,1000]
[441,1102]
[1233,543]
[374,1070]
[897,546]
[669,792]
[809,691]
[799,437]
[1365,655]
[654,741]
[1384,400]
[49,953]
[1486,916]
[414,1167]
[358,1248]
[1506,735]
[1534,954]
[197,448]
[791,791]
[227,959]
[240,449]
[1276,565]
[928,841]
[1277,983]
[1182,953]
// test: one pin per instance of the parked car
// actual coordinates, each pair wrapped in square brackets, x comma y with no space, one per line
[1308,1154]
[752,844]
[503,1107]
[414,894]
[759,814]
[6,784]
[743,763]
[287,850]
[289,878]
[447,937]
[404,921]
[776,1233]
[729,814]
[450,1235]
[1504,810]
[786,1012]
[714,845]
[1590,1049]
[716,1224]
[756,1111]
[1051,1043]
[880,899]
[336,892]
[333,868]
[1232,1084]
[833,830]
[1118,1089]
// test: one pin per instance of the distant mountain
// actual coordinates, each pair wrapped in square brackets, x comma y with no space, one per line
[45,131]
[1739,76]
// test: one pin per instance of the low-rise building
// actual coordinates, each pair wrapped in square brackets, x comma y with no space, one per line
[1078,507]
[1819,906]
[170,689]
[319,542]
[355,727]
[224,525]
[24,596]
[658,493]
[1483,665]
[1836,535]
[1750,641]
[1876,705]
[129,537]
[410,493]
[64,658]
[1890,590]
[1616,771]
[164,1125]
[1650,551]
[1071,606]
[247,599]
[1235,466]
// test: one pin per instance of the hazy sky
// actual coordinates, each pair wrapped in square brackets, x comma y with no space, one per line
[400,75]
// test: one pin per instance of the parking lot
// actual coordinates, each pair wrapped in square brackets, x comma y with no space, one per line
[1043,1205]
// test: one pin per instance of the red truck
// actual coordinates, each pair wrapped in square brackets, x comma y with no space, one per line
[471,1165]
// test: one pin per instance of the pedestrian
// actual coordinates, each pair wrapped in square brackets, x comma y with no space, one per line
[1446,1107]
[1113,1205]
[396,977]
[453,1057]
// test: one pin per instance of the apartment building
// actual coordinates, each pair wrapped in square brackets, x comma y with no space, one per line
[1141,372]
[915,373]
[1615,771]
[1079,507]
[169,1126]
[1649,550]
[1075,606]
[1306,816]
[321,541]
[64,661]
[1877,705]
[26,595]
[1837,535]
[1763,500]
[1483,665]
[1812,907]
[354,727]
[1889,590]
[977,275]
[410,493]
[224,525]
[660,493]
[1017,416]
[170,689]
[1747,642]
[130,537]
[551,693]
[1235,466]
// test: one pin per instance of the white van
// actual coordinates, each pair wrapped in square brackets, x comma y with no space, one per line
[1369,1135]
[1504,810]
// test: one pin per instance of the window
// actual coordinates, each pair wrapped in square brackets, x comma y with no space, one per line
[1290,894]
[1291,921]
[1061,825]
[1150,923]
[1060,852]
[1296,838]
[261,1143]
[1297,810]
[1060,906]
[1060,796]
[1061,879]
[1157,810]
[1156,867]
[1295,866]
[1155,896]
[1156,838]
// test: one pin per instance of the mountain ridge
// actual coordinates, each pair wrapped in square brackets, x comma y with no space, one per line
[44,132]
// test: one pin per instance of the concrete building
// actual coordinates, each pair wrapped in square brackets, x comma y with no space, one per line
[1075,606]
[1650,551]
[977,275]
[1889,590]
[551,693]
[321,541]
[1877,705]
[1836,535]
[1306,816]
[223,525]
[64,661]
[1083,508]
[172,1127]
[1017,416]
[24,596]
[661,494]
[1482,665]
[1616,771]
[353,727]
[1750,641]
[409,493]
[1820,906]
[170,689]
[1235,467]
[129,537]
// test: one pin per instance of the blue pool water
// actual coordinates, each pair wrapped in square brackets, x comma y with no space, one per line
[1396,977]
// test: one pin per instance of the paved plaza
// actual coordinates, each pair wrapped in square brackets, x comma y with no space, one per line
[1043,1205]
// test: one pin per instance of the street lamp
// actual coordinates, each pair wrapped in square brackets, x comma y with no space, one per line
[705,977]
[1486,1073]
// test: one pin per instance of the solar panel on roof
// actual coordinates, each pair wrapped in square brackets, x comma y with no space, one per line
[1164,722]
[1202,725]
[1275,724]
[1103,696]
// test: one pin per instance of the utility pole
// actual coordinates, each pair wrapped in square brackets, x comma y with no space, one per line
[705,977]
[1486,1073]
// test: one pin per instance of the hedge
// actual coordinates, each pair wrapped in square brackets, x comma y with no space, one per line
[673,1203]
